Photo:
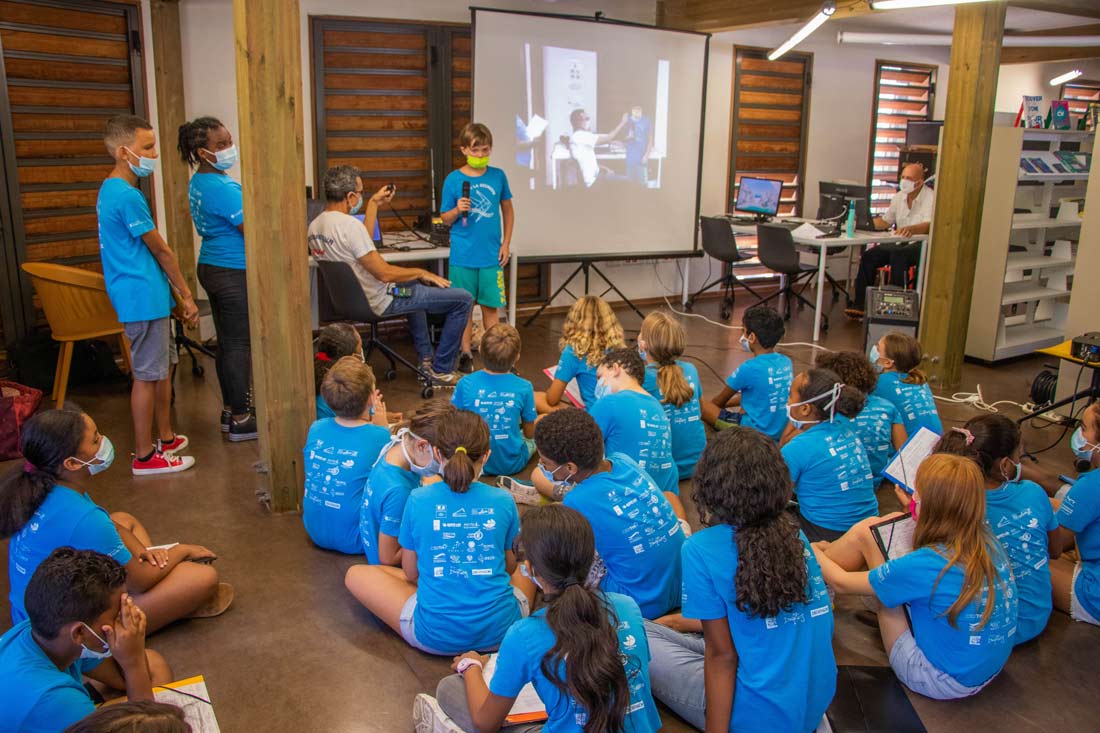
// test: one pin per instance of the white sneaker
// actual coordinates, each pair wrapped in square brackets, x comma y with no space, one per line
[428,717]
[521,492]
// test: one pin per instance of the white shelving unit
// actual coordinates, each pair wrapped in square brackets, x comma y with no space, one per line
[1027,248]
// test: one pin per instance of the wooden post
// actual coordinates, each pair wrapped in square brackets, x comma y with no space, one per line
[168,70]
[269,102]
[960,188]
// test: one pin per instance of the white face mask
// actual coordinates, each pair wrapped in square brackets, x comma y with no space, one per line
[87,653]
[431,469]
[830,407]
[1016,476]
[907,186]
[105,455]
[746,345]
[224,159]
[1082,449]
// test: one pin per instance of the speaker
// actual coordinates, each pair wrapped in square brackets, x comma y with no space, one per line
[890,309]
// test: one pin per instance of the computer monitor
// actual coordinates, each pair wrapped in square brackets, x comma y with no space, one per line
[834,196]
[759,196]
[923,132]
[844,189]
[376,235]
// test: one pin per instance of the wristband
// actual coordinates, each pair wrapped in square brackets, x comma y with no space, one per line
[466,663]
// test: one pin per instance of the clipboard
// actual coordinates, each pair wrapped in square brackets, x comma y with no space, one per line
[191,696]
[528,707]
[902,468]
[572,390]
[894,537]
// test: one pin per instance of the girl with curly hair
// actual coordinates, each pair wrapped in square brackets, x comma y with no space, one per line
[591,328]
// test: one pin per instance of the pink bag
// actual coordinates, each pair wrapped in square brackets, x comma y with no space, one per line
[17,404]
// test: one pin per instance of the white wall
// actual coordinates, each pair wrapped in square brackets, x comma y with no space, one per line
[1016,80]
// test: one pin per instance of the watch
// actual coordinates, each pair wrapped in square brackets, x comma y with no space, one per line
[466,663]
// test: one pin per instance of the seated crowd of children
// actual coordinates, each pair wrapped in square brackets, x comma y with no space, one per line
[599,594]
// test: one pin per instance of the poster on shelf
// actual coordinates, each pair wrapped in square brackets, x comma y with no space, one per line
[1030,114]
[1058,117]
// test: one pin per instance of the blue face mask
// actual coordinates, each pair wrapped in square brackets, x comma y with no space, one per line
[224,159]
[105,455]
[1082,449]
[432,469]
[565,483]
[86,653]
[830,407]
[358,207]
[602,389]
[874,357]
[525,573]
[145,166]
[745,345]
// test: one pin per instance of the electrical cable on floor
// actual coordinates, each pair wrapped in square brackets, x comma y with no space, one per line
[977,400]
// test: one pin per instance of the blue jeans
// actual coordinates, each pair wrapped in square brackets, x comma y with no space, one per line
[676,672]
[452,303]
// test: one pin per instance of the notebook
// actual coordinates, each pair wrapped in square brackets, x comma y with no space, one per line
[902,469]
[572,390]
[894,537]
[191,696]
[527,708]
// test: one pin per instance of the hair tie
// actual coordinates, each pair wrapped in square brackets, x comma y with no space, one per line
[966,433]
[569,583]
[323,356]
[29,467]
[461,449]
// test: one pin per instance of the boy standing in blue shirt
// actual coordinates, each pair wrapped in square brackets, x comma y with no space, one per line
[761,385]
[505,401]
[472,197]
[138,267]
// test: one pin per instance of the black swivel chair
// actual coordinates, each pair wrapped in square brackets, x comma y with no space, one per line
[776,251]
[340,297]
[720,243]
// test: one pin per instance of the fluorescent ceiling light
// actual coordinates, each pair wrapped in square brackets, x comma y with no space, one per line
[1068,76]
[815,22]
[944,39]
[899,4]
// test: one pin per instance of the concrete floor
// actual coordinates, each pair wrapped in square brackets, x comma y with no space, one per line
[297,653]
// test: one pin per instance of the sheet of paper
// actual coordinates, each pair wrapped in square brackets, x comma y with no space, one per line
[169,546]
[807,230]
[528,707]
[902,469]
[536,127]
[572,390]
[198,713]
[895,537]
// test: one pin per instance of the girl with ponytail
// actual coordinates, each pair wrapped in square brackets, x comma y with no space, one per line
[585,651]
[217,209]
[956,584]
[752,587]
[832,477]
[897,357]
[675,384]
[458,587]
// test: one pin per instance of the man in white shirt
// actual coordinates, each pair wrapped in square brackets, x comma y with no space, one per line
[910,213]
[338,236]
[582,144]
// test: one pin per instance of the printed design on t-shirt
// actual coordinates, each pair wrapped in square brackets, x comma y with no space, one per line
[915,401]
[852,468]
[463,542]
[318,242]
[500,409]
[649,523]
[323,483]
[687,412]
[1024,541]
[481,204]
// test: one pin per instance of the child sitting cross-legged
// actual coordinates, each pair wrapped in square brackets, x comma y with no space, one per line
[897,357]
[339,453]
[335,341]
[591,328]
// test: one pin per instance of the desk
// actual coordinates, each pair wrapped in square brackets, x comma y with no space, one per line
[860,238]
[1092,392]
[561,152]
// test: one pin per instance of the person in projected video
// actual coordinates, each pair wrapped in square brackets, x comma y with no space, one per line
[639,146]
[583,142]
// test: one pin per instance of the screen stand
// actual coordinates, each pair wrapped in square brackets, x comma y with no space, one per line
[585,266]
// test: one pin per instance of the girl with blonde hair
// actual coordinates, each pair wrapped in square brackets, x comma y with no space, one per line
[591,329]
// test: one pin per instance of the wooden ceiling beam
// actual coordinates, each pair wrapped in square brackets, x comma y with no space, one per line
[1081,8]
[714,16]
[1018,55]
[1076,30]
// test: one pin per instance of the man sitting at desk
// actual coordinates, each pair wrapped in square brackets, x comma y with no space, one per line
[582,144]
[336,235]
[910,213]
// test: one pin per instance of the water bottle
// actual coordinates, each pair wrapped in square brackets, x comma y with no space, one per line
[850,228]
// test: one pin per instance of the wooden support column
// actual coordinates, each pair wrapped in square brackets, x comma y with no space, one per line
[269,102]
[168,70]
[960,188]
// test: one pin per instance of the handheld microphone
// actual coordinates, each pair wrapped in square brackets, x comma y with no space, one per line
[465,195]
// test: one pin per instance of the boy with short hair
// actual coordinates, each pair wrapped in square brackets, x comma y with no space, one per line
[480,240]
[339,454]
[138,267]
[761,385]
[504,400]
[81,623]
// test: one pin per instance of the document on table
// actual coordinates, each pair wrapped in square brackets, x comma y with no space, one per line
[807,231]
[528,707]
[902,469]
[572,390]
[191,696]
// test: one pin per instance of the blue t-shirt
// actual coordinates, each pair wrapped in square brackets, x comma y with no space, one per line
[635,424]
[506,402]
[689,436]
[874,426]
[786,672]
[477,242]
[571,366]
[914,402]
[831,475]
[338,461]
[464,599]
[217,209]
[529,640]
[971,655]
[1080,513]
[1020,515]
[36,696]
[638,535]
[764,382]
[66,518]
[136,285]
[638,141]
[388,490]
[323,410]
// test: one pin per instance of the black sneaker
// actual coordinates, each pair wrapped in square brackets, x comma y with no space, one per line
[243,430]
[227,417]
[466,362]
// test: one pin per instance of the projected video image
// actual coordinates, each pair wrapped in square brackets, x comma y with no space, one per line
[590,126]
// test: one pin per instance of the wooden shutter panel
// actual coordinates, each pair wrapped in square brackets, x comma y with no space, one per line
[903,92]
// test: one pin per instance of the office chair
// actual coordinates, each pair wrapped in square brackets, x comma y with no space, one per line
[340,297]
[720,243]
[776,251]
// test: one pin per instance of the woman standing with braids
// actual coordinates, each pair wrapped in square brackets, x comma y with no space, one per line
[585,651]
[218,213]
[765,660]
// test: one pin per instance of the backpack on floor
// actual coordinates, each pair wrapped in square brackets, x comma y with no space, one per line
[17,403]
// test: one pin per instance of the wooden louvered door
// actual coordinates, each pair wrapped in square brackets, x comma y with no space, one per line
[770,114]
[68,65]
[903,92]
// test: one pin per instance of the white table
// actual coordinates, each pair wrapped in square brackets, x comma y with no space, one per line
[860,238]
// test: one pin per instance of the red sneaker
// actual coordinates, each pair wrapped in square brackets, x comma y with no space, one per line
[161,462]
[178,443]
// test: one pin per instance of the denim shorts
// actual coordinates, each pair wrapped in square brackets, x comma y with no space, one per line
[921,676]
[150,348]
[408,625]
[1076,611]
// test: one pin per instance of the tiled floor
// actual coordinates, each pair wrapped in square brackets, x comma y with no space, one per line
[296,653]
